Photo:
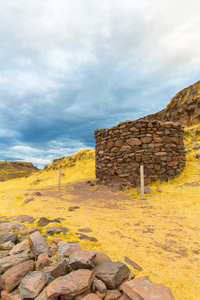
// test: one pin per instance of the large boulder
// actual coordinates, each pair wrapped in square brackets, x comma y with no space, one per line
[38,244]
[11,261]
[7,226]
[71,285]
[82,259]
[112,273]
[13,276]
[146,289]
[32,284]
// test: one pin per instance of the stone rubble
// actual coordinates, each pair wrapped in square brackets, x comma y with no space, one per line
[31,273]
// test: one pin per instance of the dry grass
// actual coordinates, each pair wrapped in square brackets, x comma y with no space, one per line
[161,233]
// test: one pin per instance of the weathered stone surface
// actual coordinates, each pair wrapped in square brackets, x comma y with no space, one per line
[82,236]
[71,285]
[82,259]
[44,221]
[7,226]
[155,144]
[11,261]
[112,295]
[8,236]
[147,290]
[112,273]
[43,295]
[7,246]
[28,200]
[101,258]
[14,295]
[132,263]
[91,296]
[22,247]
[59,268]
[29,231]
[68,249]
[23,218]
[38,244]
[32,284]
[42,261]
[134,142]
[72,208]
[12,277]
[85,230]
[4,253]
[99,285]
[54,229]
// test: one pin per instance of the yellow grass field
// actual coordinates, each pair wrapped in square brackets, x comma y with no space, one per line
[161,233]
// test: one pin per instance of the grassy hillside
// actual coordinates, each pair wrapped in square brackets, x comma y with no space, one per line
[15,169]
[161,233]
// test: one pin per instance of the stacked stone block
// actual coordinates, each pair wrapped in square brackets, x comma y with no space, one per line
[121,150]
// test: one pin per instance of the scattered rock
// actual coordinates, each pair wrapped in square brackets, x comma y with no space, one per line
[85,230]
[8,236]
[29,231]
[44,221]
[196,147]
[39,244]
[59,268]
[22,247]
[132,263]
[112,295]
[7,226]
[112,273]
[146,289]
[32,284]
[14,295]
[68,249]
[23,218]
[58,230]
[7,246]
[91,296]
[12,277]
[82,236]
[99,285]
[36,194]
[28,200]
[82,259]
[4,253]
[72,208]
[11,261]
[191,183]
[71,285]
[42,261]
[101,258]
[43,295]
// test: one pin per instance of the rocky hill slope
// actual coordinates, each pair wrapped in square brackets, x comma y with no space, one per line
[184,107]
[15,169]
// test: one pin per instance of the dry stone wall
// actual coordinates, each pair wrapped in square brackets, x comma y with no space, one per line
[121,150]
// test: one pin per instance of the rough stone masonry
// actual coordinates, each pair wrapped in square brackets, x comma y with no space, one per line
[120,150]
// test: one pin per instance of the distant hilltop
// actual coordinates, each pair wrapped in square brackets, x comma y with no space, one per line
[15,169]
[184,107]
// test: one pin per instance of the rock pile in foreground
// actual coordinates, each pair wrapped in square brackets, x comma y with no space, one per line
[31,268]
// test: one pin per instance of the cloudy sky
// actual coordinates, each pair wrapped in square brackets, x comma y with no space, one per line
[68,67]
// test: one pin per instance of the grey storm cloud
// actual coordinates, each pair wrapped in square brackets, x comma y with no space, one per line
[70,67]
